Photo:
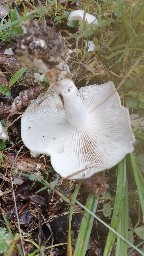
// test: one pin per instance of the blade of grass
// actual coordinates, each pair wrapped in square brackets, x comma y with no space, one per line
[119,198]
[38,11]
[79,209]
[17,76]
[15,246]
[86,227]
[139,179]
[73,198]
[121,247]
[110,228]
[34,253]
[125,50]
[140,15]
[7,224]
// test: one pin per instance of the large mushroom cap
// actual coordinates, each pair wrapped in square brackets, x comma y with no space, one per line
[97,146]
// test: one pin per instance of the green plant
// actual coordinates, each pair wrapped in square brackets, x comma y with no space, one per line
[11,30]
[86,226]
[5,239]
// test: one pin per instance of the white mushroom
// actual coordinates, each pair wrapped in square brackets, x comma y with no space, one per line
[84,129]
[80,15]
[90,45]
[3,133]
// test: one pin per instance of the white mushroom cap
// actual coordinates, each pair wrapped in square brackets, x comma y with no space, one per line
[80,15]
[90,45]
[88,130]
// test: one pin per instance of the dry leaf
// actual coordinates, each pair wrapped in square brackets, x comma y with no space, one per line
[3,79]
[22,163]
[9,62]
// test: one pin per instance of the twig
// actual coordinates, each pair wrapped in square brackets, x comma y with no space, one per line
[14,121]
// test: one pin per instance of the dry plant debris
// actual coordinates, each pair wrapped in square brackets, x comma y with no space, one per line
[24,99]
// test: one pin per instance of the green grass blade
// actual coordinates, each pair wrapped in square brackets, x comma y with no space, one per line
[139,179]
[86,227]
[140,16]
[34,253]
[74,196]
[121,247]
[40,11]
[7,224]
[81,206]
[17,76]
[119,198]
[110,228]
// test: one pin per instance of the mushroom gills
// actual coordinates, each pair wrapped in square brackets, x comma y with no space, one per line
[96,138]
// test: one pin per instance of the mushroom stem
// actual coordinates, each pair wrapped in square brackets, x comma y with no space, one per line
[75,110]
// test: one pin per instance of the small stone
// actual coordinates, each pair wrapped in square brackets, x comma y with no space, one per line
[38,77]
[9,52]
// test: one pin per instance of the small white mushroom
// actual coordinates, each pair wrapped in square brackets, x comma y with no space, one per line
[86,129]
[90,46]
[80,15]
[3,133]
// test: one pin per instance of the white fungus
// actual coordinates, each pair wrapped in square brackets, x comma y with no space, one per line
[80,15]
[86,129]
[90,46]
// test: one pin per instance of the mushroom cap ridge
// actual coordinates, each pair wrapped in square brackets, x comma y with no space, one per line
[102,144]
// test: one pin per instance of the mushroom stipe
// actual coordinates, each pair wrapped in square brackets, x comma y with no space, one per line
[86,129]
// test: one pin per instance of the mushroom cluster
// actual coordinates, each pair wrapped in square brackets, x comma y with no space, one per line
[84,131]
